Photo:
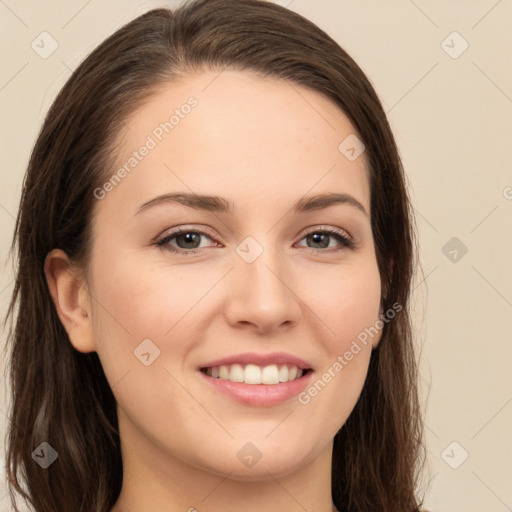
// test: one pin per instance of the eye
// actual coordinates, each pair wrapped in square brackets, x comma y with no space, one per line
[187,241]
[322,237]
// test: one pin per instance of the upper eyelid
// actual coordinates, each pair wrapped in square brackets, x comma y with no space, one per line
[204,231]
[327,228]
[176,231]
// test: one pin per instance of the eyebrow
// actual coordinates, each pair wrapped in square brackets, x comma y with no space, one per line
[222,205]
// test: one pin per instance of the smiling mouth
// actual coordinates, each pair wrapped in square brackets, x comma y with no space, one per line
[253,374]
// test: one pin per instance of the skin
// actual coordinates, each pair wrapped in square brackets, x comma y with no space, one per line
[262,144]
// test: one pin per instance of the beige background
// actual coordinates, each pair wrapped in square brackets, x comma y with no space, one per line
[453,121]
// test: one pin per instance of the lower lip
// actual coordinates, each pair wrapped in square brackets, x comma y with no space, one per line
[260,395]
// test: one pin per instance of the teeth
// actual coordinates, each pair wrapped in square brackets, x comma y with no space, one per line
[236,374]
[270,375]
[224,372]
[253,374]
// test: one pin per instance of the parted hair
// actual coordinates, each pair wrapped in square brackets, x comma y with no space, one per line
[61,396]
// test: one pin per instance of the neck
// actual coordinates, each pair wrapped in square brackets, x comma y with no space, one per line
[158,481]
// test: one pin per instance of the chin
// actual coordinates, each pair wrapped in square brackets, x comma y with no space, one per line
[251,465]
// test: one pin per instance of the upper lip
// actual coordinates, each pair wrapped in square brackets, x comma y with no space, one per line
[260,360]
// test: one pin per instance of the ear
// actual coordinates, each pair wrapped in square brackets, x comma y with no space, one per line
[71,300]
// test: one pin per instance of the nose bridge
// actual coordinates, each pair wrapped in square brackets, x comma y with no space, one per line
[261,293]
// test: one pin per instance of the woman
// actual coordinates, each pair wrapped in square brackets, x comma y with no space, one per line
[215,255]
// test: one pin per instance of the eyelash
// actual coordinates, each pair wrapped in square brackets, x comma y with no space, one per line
[163,243]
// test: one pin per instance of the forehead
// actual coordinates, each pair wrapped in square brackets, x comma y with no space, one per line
[238,135]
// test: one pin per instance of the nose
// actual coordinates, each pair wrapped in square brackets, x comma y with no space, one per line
[261,294]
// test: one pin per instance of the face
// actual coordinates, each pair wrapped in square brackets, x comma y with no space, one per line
[265,280]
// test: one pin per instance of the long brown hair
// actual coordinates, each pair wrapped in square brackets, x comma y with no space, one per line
[61,396]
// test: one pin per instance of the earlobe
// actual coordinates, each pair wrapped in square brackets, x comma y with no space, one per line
[71,300]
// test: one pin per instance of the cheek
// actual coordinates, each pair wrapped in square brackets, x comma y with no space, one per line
[138,311]
[136,302]
[349,309]
[347,303]
[144,300]
[130,305]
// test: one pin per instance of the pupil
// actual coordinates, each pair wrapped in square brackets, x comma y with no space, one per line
[316,236]
[189,238]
